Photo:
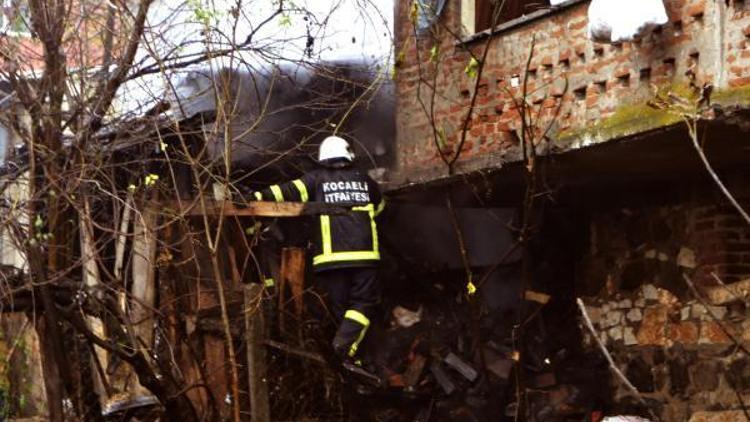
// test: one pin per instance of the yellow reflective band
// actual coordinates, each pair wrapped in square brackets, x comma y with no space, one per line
[325,233]
[346,256]
[471,288]
[277,195]
[361,319]
[269,282]
[374,228]
[370,208]
[353,348]
[380,208]
[357,317]
[302,189]
[329,256]
[258,196]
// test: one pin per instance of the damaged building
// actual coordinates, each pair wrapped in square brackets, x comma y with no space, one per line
[627,216]
[565,236]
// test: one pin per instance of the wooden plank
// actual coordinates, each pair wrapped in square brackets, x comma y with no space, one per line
[92,281]
[537,297]
[256,355]
[142,297]
[143,290]
[254,209]
[217,370]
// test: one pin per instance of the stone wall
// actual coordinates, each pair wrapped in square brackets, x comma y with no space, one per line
[608,85]
[675,350]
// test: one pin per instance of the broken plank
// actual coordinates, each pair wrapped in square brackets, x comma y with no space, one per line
[497,364]
[462,367]
[442,378]
[414,371]
[194,207]
[537,297]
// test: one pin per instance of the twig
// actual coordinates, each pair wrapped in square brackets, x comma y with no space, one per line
[612,364]
[461,242]
[295,352]
[377,81]
[474,96]
[693,129]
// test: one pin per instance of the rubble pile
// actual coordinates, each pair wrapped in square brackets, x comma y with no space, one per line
[444,359]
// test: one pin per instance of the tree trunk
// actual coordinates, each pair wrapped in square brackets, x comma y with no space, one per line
[52,383]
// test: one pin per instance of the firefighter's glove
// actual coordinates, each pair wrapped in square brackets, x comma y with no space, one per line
[247,195]
[257,227]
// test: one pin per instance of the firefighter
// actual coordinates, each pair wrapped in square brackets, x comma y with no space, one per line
[346,251]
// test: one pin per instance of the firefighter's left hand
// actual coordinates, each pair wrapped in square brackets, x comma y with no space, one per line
[246,195]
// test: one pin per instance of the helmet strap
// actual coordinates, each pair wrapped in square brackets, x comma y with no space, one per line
[336,163]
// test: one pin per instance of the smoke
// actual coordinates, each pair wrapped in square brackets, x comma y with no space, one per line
[280,114]
[288,86]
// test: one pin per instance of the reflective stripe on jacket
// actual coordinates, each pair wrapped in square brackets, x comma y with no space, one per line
[348,239]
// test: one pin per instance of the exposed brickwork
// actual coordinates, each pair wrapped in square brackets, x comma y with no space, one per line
[602,80]
[630,247]
[83,49]
[644,312]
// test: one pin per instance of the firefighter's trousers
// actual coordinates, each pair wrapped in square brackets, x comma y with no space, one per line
[353,295]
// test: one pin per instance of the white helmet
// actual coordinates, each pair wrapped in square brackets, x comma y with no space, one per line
[335,147]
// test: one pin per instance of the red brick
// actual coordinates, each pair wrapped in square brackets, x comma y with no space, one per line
[550,103]
[712,333]
[622,72]
[737,70]
[653,329]
[577,24]
[567,38]
[684,332]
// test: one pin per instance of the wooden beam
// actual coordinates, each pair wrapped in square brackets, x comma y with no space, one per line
[193,207]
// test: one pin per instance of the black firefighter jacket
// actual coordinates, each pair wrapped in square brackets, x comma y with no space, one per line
[348,239]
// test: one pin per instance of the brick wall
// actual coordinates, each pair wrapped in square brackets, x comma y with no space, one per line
[673,348]
[607,84]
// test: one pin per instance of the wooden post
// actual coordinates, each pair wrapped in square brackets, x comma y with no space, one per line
[143,290]
[256,354]
[293,275]
[140,304]
[92,281]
